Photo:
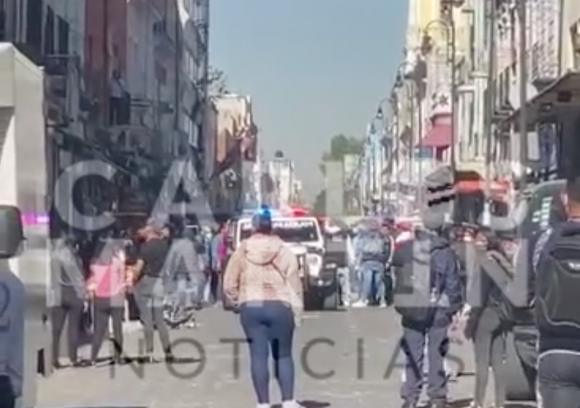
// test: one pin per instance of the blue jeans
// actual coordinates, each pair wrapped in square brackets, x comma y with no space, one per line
[269,328]
[373,284]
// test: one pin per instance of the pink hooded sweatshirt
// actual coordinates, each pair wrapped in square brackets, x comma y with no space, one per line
[107,280]
[263,268]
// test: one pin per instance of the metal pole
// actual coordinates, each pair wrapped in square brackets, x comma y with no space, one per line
[374,146]
[395,136]
[420,144]
[489,101]
[381,167]
[411,97]
[451,33]
[523,74]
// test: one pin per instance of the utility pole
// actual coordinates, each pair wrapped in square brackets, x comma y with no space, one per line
[490,19]
[448,21]
[523,74]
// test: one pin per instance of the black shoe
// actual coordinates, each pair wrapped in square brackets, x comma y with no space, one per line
[148,359]
[408,405]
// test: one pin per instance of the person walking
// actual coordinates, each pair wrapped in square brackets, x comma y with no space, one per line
[372,254]
[185,277]
[218,253]
[262,282]
[68,297]
[148,285]
[106,288]
[387,230]
[428,295]
[485,324]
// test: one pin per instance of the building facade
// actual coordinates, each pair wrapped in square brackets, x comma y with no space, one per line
[120,86]
[234,152]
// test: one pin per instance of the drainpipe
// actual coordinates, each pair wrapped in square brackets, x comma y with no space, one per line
[106,63]
[491,14]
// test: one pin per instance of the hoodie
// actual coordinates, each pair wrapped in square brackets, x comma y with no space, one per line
[262,268]
[444,264]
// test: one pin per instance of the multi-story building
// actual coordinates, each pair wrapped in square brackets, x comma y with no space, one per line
[421,98]
[235,152]
[282,172]
[51,34]
[551,86]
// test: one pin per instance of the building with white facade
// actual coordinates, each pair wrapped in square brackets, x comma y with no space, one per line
[552,87]
[282,173]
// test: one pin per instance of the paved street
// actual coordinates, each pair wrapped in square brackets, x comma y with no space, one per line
[363,343]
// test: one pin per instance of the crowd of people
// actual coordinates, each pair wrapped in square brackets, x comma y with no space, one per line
[162,271]
[444,280]
[440,280]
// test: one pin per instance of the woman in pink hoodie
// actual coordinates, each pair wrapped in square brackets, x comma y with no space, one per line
[106,287]
[262,282]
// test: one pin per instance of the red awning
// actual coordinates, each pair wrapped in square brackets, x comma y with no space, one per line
[495,186]
[440,133]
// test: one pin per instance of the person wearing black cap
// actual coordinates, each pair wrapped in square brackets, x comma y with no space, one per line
[262,281]
[428,295]
[149,289]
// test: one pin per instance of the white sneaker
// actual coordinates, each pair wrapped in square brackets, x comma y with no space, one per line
[383,305]
[360,303]
[291,404]
[263,406]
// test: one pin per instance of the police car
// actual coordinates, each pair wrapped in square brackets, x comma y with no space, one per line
[302,234]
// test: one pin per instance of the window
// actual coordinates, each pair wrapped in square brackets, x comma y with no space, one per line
[34,23]
[49,32]
[63,36]
[2,21]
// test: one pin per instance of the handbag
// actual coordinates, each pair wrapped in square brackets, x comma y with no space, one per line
[87,319]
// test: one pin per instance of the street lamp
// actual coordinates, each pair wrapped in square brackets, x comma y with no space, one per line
[414,98]
[448,25]
[380,146]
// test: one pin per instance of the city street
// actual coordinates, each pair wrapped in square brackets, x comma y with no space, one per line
[348,360]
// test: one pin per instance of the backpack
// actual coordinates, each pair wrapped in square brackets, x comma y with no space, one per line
[417,287]
[373,247]
[558,280]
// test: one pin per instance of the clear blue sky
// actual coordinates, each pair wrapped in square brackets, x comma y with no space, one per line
[314,68]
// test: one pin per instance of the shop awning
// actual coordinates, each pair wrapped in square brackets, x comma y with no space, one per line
[439,136]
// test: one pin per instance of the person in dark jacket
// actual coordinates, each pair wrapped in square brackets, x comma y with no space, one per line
[428,323]
[485,324]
